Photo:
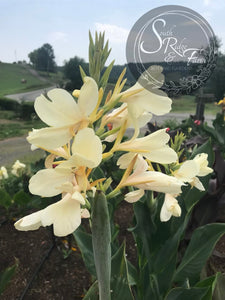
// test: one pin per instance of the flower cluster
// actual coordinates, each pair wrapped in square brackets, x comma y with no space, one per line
[17,169]
[78,128]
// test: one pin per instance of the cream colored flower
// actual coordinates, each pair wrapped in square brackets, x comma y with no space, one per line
[153,146]
[158,104]
[134,196]
[3,173]
[187,171]
[65,216]
[86,150]
[119,115]
[191,169]
[63,114]
[202,162]
[170,208]
[17,168]
[140,99]
[151,180]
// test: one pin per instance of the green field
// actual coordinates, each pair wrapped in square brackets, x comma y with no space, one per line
[12,74]
[187,104]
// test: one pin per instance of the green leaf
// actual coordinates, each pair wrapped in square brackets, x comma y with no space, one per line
[84,242]
[186,294]
[105,76]
[120,286]
[21,198]
[101,238]
[92,293]
[5,199]
[199,249]
[220,288]
[6,276]
[209,282]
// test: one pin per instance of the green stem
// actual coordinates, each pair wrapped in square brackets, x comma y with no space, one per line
[101,239]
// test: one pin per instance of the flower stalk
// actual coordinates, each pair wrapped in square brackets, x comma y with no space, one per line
[101,239]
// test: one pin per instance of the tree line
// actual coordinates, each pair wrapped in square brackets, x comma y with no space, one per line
[43,59]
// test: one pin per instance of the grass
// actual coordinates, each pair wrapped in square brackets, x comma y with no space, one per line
[11,75]
[187,104]
[12,127]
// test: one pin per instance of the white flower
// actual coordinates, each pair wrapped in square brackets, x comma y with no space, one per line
[190,169]
[154,147]
[151,180]
[170,208]
[158,104]
[3,173]
[140,99]
[65,216]
[86,150]
[202,162]
[17,166]
[63,114]
[117,117]
[134,196]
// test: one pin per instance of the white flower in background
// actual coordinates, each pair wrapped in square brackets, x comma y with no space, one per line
[191,169]
[63,114]
[3,173]
[17,168]
[170,208]
[154,147]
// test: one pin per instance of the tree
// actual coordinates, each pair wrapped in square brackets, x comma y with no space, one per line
[72,72]
[43,58]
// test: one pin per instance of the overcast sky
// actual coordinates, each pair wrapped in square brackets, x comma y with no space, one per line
[26,25]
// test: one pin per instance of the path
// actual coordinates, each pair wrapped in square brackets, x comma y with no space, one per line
[18,147]
[13,149]
[29,96]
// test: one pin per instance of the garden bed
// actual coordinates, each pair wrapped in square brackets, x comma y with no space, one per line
[59,277]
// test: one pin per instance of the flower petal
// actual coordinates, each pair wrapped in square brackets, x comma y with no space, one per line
[49,182]
[86,149]
[170,208]
[165,155]
[155,181]
[202,161]
[134,196]
[62,110]
[65,216]
[187,171]
[50,138]
[197,183]
[88,97]
[158,104]
[30,222]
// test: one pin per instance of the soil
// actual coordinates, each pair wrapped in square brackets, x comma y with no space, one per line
[58,278]
[61,278]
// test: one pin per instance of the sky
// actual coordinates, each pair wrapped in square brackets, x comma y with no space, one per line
[26,25]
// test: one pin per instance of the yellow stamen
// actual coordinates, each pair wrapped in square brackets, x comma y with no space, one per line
[127,172]
[94,113]
[94,183]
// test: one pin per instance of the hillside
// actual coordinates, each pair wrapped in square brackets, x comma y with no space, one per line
[11,76]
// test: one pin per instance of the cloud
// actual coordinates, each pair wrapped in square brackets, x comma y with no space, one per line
[206,2]
[58,36]
[114,33]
